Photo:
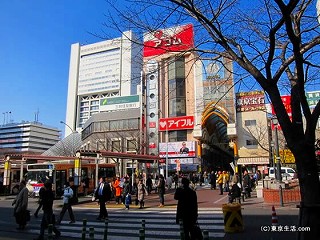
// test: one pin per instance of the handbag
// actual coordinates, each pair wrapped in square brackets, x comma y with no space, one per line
[197,233]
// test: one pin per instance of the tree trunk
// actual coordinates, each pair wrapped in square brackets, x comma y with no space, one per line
[310,193]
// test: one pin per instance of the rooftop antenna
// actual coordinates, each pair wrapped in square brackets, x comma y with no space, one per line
[36,115]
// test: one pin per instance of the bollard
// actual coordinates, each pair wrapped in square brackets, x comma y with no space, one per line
[105,232]
[232,218]
[84,230]
[182,236]
[281,196]
[142,235]
[50,236]
[143,223]
[91,233]
[205,235]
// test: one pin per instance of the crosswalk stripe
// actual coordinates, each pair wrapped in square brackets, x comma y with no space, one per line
[126,224]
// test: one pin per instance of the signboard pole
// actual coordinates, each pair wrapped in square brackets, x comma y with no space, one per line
[167,162]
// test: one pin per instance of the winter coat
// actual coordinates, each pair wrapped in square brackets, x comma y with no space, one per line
[116,186]
[21,201]
[141,191]
[187,208]
[220,179]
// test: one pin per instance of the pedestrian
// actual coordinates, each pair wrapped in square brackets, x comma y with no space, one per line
[21,205]
[126,193]
[169,182]
[41,191]
[187,208]
[161,190]
[142,192]
[149,184]
[235,178]
[220,182]
[48,216]
[176,180]
[85,185]
[68,194]
[205,177]
[118,189]
[226,178]
[213,180]
[103,194]
[235,192]
[246,184]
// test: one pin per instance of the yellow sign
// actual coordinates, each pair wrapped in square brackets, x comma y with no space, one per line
[286,156]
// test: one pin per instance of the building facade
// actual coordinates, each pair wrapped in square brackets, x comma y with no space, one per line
[253,131]
[98,72]
[27,137]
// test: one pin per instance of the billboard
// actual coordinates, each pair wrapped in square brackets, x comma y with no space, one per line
[177,149]
[250,101]
[176,123]
[119,103]
[173,39]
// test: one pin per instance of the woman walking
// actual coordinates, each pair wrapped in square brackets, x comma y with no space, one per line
[20,205]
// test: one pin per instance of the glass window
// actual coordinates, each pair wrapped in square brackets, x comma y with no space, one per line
[131,145]
[252,142]
[116,146]
[250,123]
[95,102]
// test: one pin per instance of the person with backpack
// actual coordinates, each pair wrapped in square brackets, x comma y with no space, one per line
[68,195]
[103,194]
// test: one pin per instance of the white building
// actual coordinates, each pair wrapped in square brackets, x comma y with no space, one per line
[27,137]
[100,71]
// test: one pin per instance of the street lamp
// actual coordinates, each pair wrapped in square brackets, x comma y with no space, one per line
[276,145]
[72,131]
[73,137]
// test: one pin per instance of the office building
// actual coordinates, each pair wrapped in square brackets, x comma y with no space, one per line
[27,137]
[98,73]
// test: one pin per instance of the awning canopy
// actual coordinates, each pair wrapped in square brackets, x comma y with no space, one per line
[253,160]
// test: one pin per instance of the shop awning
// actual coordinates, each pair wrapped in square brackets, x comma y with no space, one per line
[253,160]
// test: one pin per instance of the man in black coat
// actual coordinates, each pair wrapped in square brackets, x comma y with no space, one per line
[48,217]
[103,194]
[187,208]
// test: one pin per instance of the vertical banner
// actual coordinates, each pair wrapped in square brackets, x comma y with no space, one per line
[7,171]
[77,171]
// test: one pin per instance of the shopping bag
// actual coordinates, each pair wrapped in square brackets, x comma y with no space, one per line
[197,233]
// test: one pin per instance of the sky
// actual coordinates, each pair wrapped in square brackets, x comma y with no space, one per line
[35,40]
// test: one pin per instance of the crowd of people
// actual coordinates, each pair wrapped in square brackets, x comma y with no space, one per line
[122,191]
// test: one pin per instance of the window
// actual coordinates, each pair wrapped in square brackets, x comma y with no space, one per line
[131,145]
[252,142]
[250,123]
[178,136]
[116,146]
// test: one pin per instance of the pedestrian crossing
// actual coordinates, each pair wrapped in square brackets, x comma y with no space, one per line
[123,224]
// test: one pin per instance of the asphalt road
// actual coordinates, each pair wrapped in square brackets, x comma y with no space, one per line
[256,216]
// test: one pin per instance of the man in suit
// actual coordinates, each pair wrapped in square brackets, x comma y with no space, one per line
[103,194]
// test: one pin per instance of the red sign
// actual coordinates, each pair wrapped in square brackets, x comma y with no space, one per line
[152,124]
[287,105]
[168,40]
[176,123]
